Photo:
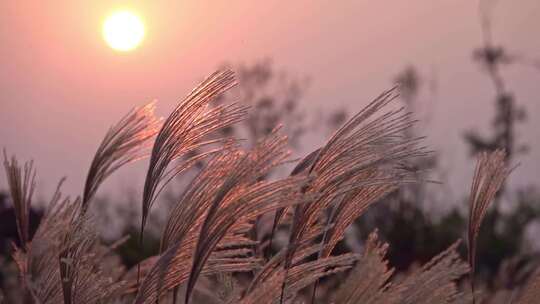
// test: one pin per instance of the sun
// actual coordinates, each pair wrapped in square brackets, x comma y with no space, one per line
[123,31]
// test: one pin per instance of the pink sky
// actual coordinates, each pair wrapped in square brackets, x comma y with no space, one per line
[61,87]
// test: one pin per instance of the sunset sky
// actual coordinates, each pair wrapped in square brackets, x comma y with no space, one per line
[62,86]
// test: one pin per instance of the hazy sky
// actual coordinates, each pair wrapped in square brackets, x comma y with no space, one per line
[61,86]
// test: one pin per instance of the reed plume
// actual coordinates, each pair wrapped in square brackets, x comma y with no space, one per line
[125,142]
[184,131]
[435,282]
[489,176]
[60,264]
[364,160]
[299,276]
[531,292]
[368,280]
[208,228]
[21,181]
[209,224]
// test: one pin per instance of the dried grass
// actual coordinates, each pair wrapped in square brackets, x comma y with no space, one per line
[125,142]
[531,292]
[21,185]
[207,232]
[184,130]
[490,173]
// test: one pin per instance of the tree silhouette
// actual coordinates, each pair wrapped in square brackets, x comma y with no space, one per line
[493,59]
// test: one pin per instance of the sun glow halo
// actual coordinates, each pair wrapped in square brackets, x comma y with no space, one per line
[123,31]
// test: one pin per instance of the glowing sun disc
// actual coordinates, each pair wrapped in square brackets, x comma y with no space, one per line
[123,31]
